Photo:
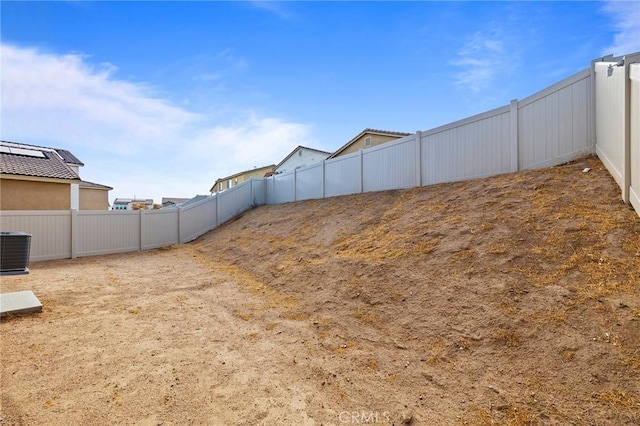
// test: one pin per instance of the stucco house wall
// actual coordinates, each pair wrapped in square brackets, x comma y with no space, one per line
[34,195]
[94,199]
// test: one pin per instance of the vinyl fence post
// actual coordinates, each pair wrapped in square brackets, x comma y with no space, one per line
[513,134]
[295,184]
[74,233]
[273,189]
[361,171]
[217,208]
[419,158]
[324,164]
[179,224]
[626,178]
[592,106]
[141,240]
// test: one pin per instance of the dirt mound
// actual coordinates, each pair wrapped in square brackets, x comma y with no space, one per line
[507,300]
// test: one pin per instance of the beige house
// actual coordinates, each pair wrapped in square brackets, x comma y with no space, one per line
[366,139]
[233,180]
[94,196]
[40,178]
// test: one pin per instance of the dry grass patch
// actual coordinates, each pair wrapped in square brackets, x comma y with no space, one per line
[507,337]
[504,415]
[621,400]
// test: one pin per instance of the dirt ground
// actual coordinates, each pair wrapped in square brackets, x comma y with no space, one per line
[510,300]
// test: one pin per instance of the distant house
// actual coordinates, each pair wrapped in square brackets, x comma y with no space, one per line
[40,178]
[231,181]
[133,204]
[300,157]
[173,202]
[181,202]
[366,139]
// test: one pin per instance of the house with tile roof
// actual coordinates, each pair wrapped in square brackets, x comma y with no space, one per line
[300,157]
[366,139]
[40,178]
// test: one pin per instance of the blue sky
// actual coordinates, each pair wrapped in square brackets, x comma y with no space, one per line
[159,99]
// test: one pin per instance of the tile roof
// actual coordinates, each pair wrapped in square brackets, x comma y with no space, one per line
[87,184]
[50,165]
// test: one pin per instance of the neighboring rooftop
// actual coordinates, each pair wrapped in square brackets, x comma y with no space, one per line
[30,160]
[371,132]
[299,147]
[92,185]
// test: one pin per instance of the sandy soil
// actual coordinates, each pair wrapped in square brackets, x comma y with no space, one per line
[509,300]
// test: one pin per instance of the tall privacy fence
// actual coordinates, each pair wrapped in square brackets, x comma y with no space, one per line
[61,234]
[594,111]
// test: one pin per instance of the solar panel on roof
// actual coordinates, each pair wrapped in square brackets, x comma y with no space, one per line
[26,152]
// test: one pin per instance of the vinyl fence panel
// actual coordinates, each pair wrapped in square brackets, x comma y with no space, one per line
[284,186]
[634,149]
[196,219]
[554,125]
[105,232]
[234,201]
[310,181]
[259,191]
[343,175]
[392,165]
[610,118]
[475,147]
[159,228]
[50,231]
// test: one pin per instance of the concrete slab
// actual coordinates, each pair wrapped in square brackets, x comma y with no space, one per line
[19,302]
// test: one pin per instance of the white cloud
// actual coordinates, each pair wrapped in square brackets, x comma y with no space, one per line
[126,135]
[626,21]
[46,96]
[277,8]
[480,61]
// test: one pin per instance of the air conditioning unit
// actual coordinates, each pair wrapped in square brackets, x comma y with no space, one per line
[14,253]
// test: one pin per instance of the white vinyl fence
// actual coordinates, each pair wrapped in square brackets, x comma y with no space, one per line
[634,137]
[594,111]
[63,234]
[549,128]
[617,109]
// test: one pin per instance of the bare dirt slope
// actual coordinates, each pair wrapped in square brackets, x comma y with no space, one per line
[508,300]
